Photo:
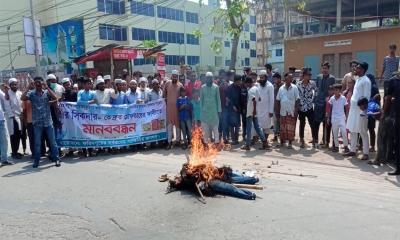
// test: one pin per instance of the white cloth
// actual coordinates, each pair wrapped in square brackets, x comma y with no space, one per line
[209,131]
[104,97]
[14,110]
[2,106]
[287,98]
[337,106]
[143,95]
[59,90]
[252,94]
[362,88]
[340,126]
[266,106]
[364,136]
[170,129]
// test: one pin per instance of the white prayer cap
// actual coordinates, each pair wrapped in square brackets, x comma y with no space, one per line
[65,80]
[12,80]
[263,72]
[133,81]
[175,72]
[123,81]
[75,85]
[155,81]
[142,79]
[107,77]
[99,80]
[51,77]
[118,80]
[209,74]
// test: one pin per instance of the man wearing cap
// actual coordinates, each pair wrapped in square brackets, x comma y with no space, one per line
[210,107]
[132,93]
[171,94]
[265,109]
[40,98]
[102,95]
[3,132]
[70,95]
[357,124]
[57,88]
[143,91]
[107,81]
[13,99]
[156,92]
[120,96]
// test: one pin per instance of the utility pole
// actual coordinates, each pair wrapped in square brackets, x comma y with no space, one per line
[35,38]
[9,50]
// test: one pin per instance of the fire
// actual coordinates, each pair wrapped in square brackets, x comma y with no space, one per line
[201,159]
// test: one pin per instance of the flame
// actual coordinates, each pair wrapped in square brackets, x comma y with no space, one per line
[201,159]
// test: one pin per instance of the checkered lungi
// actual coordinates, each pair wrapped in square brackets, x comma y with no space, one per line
[288,128]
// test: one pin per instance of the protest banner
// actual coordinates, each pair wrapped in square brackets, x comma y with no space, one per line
[94,126]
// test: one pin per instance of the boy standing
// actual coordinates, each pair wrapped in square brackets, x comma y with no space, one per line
[195,101]
[337,118]
[185,121]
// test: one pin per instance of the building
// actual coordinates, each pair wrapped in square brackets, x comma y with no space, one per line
[346,31]
[70,28]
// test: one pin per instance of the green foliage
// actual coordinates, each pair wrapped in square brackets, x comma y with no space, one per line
[197,33]
[216,46]
[149,43]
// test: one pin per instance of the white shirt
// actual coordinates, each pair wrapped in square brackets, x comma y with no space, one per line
[103,97]
[143,95]
[15,103]
[362,88]
[287,98]
[2,106]
[59,90]
[267,99]
[252,94]
[338,105]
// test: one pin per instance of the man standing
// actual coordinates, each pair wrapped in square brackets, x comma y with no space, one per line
[356,123]
[390,65]
[70,95]
[288,104]
[156,92]
[143,91]
[253,102]
[120,95]
[224,120]
[393,96]
[234,108]
[269,75]
[102,95]
[171,94]
[350,76]
[132,94]
[191,84]
[13,98]
[277,125]
[210,107]
[265,108]
[323,82]
[57,88]
[41,117]
[3,133]
[306,92]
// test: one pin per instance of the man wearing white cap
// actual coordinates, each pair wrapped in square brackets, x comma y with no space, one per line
[70,95]
[171,94]
[156,92]
[120,96]
[132,93]
[265,113]
[210,107]
[143,91]
[103,95]
[57,88]
[14,111]
[107,81]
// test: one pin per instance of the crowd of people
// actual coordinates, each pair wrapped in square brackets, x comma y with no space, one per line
[228,107]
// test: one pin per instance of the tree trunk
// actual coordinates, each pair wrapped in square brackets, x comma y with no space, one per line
[235,43]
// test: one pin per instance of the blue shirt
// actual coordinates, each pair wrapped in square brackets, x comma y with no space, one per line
[86,96]
[184,114]
[373,107]
[121,99]
[41,114]
[131,98]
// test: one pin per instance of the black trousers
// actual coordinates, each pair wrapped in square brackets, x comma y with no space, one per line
[15,138]
[310,117]
[24,136]
[29,129]
[371,130]
[244,124]
[397,142]
[319,117]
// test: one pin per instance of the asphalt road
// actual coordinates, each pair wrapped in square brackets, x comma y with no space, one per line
[308,195]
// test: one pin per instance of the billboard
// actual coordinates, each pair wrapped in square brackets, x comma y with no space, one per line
[61,42]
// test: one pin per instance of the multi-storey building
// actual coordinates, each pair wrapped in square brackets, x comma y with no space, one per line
[70,28]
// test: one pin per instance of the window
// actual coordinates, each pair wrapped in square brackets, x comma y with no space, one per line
[242,45]
[193,60]
[227,44]
[246,45]
[192,39]
[247,61]
[192,17]
[253,37]
[113,32]
[171,37]
[174,59]
[253,20]
[143,34]
[253,53]
[111,6]
[278,52]
[141,8]
[169,13]
[227,63]
[142,61]
[246,27]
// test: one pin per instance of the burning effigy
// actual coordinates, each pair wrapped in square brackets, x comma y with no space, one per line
[199,174]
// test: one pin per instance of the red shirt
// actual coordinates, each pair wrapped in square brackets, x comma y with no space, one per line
[190,86]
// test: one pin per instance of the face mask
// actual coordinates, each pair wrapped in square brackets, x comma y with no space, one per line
[53,86]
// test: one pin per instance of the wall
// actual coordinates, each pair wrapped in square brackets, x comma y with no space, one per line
[363,44]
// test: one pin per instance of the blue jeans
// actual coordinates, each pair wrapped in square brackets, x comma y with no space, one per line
[49,131]
[3,142]
[186,127]
[223,127]
[249,124]
[242,179]
[228,189]
[234,125]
